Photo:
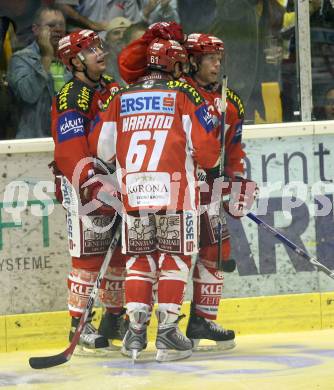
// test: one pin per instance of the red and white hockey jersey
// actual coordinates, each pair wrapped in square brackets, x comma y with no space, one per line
[73,109]
[159,131]
[234,152]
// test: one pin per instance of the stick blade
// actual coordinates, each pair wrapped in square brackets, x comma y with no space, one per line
[48,361]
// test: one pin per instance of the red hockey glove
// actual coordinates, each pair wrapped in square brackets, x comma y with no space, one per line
[242,197]
[132,61]
[214,189]
[101,193]
[165,30]
[56,172]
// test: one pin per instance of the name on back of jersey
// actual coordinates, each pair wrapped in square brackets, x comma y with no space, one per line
[147,122]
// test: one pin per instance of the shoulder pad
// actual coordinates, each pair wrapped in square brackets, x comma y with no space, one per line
[188,89]
[234,98]
[76,96]
[146,85]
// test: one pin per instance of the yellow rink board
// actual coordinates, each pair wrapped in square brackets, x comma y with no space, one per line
[3,342]
[281,361]
[284,313]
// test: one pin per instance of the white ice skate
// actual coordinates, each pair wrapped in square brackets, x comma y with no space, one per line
[171,343]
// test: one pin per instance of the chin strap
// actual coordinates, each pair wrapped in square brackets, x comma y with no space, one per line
[85,72]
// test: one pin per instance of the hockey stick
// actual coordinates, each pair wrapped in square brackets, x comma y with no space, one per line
[313,260]
[63,357]
[221,169]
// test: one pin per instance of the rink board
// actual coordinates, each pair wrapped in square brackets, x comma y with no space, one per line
[34,260]
[285,313]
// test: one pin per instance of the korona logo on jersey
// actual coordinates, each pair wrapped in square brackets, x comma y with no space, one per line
[205,118]
[148,102]
[70,125]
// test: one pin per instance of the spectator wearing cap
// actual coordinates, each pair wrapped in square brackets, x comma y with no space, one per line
[115,42]
[97,14]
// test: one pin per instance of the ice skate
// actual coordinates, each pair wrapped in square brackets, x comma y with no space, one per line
[113,327]
[135,339]
[90,342]
[171,344]
[200,328]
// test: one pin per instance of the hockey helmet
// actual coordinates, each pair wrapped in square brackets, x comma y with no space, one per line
[164,54]
[71,45]
[198,44]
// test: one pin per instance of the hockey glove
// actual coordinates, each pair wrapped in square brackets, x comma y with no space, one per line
[101,193]
[165,30]
[57,175]
[132,61]
[215,188]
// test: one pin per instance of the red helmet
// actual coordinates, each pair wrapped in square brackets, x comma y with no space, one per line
[203,44]
[163,55]
[74,43]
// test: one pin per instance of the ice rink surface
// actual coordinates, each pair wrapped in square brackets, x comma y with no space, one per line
[284,361]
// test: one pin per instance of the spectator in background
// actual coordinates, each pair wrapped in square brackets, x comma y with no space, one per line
[114,44]
[97,14]
[22,12]
[322,47]
[35,74]
[153,11]
[324,105]
[134,32]
[329,104]
[250,30]
[241,44]
[197,15]
[322,56]
[270,16]
[7,108]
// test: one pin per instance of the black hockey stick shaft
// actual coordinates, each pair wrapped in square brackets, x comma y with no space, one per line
[313,260]
[221,169]
[63,357]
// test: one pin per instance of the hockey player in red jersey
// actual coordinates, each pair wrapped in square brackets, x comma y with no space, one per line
[161,132]
[206,54]
[72,112]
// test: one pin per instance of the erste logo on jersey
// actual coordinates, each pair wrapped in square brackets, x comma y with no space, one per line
[148,102]
[70,125]
[190,229]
